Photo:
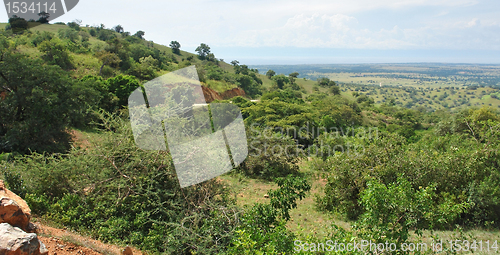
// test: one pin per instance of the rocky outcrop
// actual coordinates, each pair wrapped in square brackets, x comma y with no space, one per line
[14,241]
[212,95]
[15,217]
[127,251]
[233,93]
[13,209]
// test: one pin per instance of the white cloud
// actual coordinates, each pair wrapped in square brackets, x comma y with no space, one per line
[359,24]
[343,31]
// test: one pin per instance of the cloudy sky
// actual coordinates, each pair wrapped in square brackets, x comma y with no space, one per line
[312,31]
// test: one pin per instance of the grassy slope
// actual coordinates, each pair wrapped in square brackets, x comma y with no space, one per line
[87,64]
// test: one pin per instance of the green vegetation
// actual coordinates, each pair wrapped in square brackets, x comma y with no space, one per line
[327,160]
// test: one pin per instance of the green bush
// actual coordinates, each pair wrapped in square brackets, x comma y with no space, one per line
[263,230]
[461,170]
[270,155]
[119,193]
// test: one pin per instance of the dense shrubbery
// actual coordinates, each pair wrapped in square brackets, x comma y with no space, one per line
[461,167]
[122,194]
[262,229]
[270,155]
[119,193]
[420,171]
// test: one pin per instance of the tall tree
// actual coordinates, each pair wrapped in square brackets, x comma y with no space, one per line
[203,51]
[18,24]
[325,82]
[38,104]
[44,17]
[176,46]
[140,34]
[270,73]
[118,29]
[281,80]
[292,77]
[235,62]
[107,58]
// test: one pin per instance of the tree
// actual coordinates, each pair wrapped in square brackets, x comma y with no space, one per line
[175,45]
[107,58]
[325,82]
[73,25]
[37,108]
[243,69]
[270,73]
[235,62]
[203,51]
[211,57]
[119,29]
[55,53]
[140,34]
[122,86]
[335,90]
[248,84]
[281,80]
[44,17]
[18,24]
[292,77]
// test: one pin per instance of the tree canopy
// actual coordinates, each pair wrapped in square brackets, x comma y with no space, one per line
[175,45]
[203,51]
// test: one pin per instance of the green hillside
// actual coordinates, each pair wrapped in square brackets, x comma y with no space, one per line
[84,49]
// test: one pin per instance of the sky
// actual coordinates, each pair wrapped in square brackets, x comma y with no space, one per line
[312,31]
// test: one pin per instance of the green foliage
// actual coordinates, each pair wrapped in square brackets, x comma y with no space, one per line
[140,34]
[74,25]
[122,194]
[105,35]
[455,166]
[17,24]
[138,51]
[36,111]
[316,97]
[270,73]
[248,84]
[270,155]
[122,86]
[296,120]
[280,80]
[55,52]
[142,71]
[366,100]
[118,28]
[284,199]
[325,82]
[69,34]
[262,230]
[15,183]
[176,46]
[40,37]
[203,51]
[392,210]
[286,95]
[44,17]
[335,90]
[214,72]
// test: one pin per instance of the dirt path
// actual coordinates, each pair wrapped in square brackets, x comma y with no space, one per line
[64,242]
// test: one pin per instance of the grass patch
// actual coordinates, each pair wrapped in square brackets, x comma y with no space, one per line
[219,86]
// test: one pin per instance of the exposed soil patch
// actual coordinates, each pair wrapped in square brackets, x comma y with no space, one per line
[64,242]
